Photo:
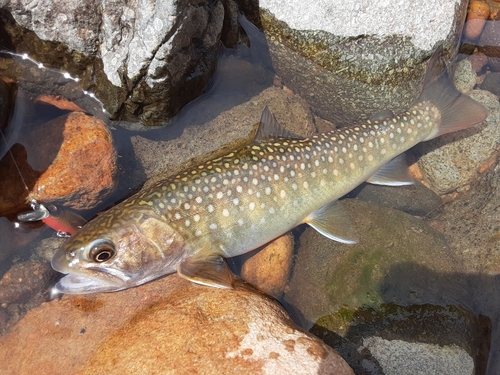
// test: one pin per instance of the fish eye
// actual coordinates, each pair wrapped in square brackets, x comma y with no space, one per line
[102,251]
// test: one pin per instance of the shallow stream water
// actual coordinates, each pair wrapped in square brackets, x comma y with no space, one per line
[242,73]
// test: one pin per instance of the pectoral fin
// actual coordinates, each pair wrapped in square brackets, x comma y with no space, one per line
[212,271]
[394,173]
[333,222]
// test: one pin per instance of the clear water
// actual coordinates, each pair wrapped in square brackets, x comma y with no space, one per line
[227,90]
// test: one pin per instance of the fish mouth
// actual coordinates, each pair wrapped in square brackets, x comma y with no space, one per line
[88,279]
[79,284]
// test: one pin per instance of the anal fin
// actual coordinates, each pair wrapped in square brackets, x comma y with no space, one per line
[333,222]
[394,173]
[211,271]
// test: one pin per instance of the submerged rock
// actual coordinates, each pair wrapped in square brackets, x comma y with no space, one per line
[169,325]
[268,269]
[328,276]
[408,340]
[75,155]
[219,135]
[454,160]
[401,281]
[414,199]
[489,44]
[24,280]
[352,61]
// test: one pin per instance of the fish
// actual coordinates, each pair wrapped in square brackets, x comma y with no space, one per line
[190,222]
[64,222]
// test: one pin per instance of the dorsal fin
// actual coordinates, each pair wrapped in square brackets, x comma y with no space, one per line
[270,128]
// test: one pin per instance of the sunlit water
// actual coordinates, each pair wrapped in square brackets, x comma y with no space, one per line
[242,73]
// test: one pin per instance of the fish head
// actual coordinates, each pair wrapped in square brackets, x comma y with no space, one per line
[112,253]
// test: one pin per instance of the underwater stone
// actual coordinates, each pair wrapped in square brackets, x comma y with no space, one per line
[414,199]
[76,158]
[268,270]
[398,259]
[489,44]
[454,160]
[24,280]
[415,339]
[464,76]
[349,73]
[491,83]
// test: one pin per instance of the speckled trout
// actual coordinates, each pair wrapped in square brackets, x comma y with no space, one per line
[227,206]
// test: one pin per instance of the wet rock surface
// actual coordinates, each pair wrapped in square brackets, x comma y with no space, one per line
[454,160]
[342,290]
[150,58]
[414,199]
[70,160]
[81,171]
[166,325]
[329,275]
[336,63]
[24,280]
[405,339]
[221,135]
[269,269]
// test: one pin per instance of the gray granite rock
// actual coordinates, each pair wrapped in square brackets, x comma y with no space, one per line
[464,77]
[354,60]
[144,59]
[398,357]
[452,161]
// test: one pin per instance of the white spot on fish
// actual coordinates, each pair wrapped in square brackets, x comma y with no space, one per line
[210,208]
[251,206]
[196,217]
[225,212]
[213,226]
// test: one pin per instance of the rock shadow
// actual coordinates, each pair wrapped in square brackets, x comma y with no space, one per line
[409,290]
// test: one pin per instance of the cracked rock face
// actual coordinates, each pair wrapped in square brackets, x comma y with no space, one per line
[145,59]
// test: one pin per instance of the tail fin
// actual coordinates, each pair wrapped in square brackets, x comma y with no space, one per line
[458,111]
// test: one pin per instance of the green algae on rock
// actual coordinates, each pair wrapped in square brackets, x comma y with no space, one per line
[348,79]
[330,276]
